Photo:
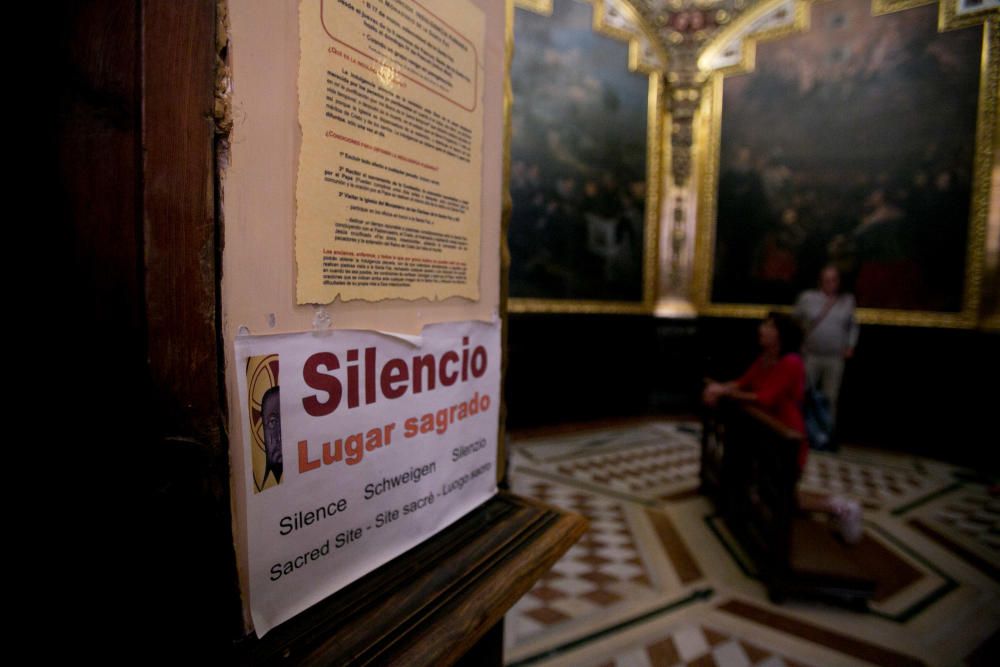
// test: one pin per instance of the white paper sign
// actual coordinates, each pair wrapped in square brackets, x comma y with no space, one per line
[358,446]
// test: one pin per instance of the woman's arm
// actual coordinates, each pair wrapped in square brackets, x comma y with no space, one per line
[734,388]
[716,390]
[740,395]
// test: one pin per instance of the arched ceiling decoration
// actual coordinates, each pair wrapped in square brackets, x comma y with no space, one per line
[619,18]
[683,29]
[730,51]
[667,36]
[704,36]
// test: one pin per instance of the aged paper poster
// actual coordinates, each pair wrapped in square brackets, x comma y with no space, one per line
[390,169]
[359,446]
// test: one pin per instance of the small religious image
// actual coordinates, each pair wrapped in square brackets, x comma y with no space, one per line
[264,404]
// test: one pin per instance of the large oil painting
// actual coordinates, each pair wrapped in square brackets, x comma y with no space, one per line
[578,163]
[852,143]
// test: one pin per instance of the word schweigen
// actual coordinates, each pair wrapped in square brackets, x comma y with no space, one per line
[411,476]
[395,378]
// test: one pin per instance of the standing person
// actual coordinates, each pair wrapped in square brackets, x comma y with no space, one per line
[831,333]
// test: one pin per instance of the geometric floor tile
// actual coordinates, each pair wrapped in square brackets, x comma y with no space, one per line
[874,485]
[651,470]
[845,644]
[703,635]
[655,580]
[699,645]
[904,580]
[629,561]
[975,515]
[654,464]
[602,569]
[966,522]
[594,441]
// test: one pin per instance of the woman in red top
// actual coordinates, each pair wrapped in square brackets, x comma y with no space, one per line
[775,382]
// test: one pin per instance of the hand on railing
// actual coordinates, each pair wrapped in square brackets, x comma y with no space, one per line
[715,390]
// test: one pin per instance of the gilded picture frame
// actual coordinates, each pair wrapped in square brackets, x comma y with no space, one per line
[709,296]
[568,293]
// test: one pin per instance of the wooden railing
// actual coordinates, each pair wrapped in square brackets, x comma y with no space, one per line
[750,469]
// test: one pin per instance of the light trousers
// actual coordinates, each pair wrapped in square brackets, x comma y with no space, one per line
[825,373]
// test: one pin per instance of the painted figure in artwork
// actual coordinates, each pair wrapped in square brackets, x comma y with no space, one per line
[271,411]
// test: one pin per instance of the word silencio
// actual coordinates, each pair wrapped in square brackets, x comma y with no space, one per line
[339,386]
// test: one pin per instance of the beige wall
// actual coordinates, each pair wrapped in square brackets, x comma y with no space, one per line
[258,183]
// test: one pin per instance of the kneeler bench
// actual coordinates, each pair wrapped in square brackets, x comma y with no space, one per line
[749,468]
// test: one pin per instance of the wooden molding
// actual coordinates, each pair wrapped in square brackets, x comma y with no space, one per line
[433,603]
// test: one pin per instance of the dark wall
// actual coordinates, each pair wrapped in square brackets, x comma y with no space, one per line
[590,367]
[130,173]
[931,392]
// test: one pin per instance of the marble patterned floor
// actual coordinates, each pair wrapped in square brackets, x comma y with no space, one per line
[657,579]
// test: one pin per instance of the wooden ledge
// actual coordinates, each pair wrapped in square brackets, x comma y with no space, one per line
[432,604]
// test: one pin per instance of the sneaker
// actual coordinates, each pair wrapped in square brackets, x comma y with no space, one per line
[847,519]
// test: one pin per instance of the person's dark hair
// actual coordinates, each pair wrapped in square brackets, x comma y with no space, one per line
[273,391]
[789,332]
